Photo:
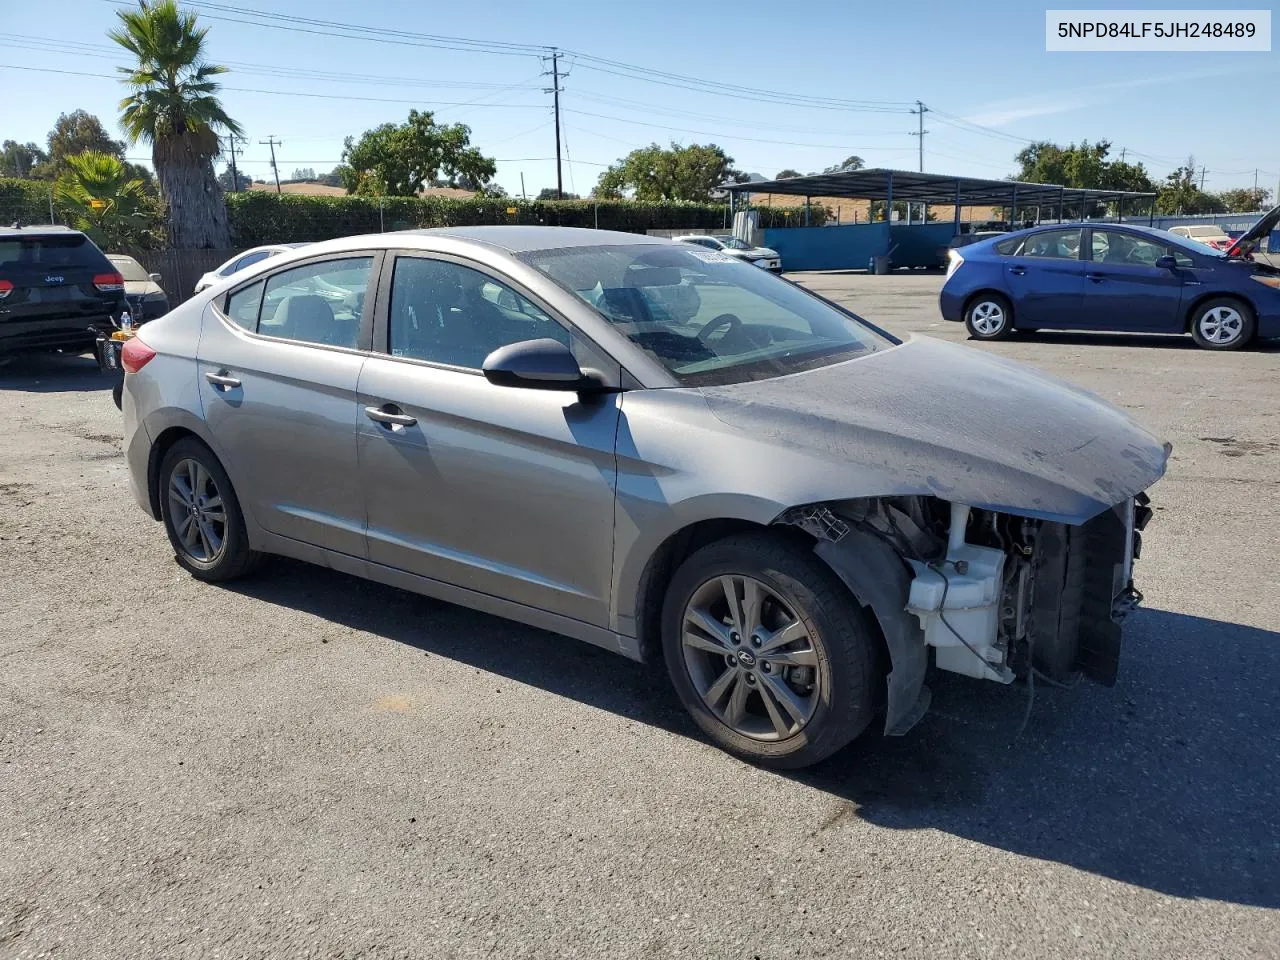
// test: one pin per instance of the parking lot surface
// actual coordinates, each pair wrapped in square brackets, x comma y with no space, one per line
[304,764]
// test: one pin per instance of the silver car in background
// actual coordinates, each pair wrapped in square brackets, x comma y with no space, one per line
[241,261]
[764,257]
[654,448]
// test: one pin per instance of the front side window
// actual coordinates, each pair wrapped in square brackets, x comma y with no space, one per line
[706,317]
[446,313]
[1115,247]
[319,303]
[1053,245]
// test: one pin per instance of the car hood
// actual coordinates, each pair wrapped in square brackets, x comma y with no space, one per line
[1266,223]
[141,288]
[933,418]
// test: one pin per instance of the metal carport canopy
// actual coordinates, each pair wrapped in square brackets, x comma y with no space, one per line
[881,184]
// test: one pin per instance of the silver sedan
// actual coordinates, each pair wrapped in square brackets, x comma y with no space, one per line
[656,449]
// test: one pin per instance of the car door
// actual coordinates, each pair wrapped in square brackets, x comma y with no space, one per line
[501,490]
[1124,289]
[278,364]
[1045,279]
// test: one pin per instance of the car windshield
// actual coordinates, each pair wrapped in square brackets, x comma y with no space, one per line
[733,243]
[130,269]
[706,317]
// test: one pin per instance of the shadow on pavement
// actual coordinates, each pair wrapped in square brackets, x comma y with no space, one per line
[1151,341]
[53,373]
[1169,781]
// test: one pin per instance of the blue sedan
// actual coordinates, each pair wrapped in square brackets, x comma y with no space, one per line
[1107,276]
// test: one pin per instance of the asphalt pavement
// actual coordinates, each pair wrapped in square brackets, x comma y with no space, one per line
[307,765]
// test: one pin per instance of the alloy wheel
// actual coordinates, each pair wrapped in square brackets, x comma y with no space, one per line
[196,511]
[987,318]
[1221,325]
[751,658]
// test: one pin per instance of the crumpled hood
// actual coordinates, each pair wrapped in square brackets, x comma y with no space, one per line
[934,418]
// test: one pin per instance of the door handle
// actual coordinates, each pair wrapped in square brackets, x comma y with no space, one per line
[1017,271]
[390,415]
[1096,277]
[222,380]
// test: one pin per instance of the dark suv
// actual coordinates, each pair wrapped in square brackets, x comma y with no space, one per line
[56,290]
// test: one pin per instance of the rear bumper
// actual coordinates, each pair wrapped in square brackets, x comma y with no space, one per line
[19,336]
[952,305]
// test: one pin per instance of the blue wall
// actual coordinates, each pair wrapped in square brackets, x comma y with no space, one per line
[829,248]
[919,245]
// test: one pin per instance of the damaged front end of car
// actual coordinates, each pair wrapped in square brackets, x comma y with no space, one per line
[994,594]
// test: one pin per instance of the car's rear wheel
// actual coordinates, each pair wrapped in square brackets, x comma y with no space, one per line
[768,651]
[989,316]
[202,515]
[1223,323]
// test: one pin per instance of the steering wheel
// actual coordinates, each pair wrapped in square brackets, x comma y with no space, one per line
[724,320]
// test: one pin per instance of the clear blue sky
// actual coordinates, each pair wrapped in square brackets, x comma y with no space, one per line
[982,61]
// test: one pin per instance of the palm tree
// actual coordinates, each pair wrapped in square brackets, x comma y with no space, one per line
[173,107]
[99,195]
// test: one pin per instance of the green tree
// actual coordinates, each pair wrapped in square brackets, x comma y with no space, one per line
[74,133]
[400,159]
[19,159]
[173,106]
[303,173]
[1244,199]
[1180,193]
[1083,165]
[549,193]
[787,174]
[102,199]
[694,172]
[331,179]
[224,181]
[845,165]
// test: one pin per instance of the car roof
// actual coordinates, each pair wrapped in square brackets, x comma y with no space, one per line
[48,229]
[1155,232]
[522,239]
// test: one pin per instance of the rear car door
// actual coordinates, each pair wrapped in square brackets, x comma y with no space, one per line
[279,359]
[500,490]
[1124,289]
[1046,279]
[54,286]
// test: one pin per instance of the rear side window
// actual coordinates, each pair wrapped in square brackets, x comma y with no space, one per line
[1007,248]
[318,303]
[243,306]
[1053,245]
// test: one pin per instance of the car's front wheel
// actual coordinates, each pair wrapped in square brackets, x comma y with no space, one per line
[768,651]
[1222,324]
[988,317]
[202,515]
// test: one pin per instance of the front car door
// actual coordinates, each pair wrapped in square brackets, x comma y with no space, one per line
[1045,279]
[500,490]
[279,359]
[1124,289]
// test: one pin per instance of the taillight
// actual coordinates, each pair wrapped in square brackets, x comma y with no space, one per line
[108,282]
[953,262]
[135,355]
[6,288]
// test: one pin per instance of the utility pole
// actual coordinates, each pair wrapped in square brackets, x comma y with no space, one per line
[555,91]
[920,111]
[235,175]
[1202,179]
[272,142]
[523,195]
[1123,151]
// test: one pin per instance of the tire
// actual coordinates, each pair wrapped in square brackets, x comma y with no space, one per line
[1223,323]
[193,542]
[981,314]
[832,670]
[117,395]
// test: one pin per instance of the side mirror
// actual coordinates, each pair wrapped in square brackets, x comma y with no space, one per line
[1167,262]
[535,365]
[153,277]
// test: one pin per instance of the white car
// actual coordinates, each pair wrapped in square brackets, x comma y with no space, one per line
[1209,234]
[738,249]
[242,260]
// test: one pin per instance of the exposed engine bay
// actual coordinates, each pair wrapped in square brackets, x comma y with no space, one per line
[994,595]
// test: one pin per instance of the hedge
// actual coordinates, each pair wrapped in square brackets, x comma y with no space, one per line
[260,216]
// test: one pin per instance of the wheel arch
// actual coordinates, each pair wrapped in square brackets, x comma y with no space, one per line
[1190,311]
[988,292]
